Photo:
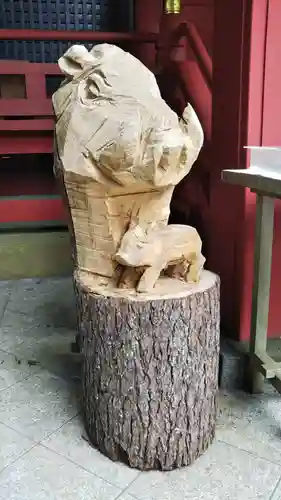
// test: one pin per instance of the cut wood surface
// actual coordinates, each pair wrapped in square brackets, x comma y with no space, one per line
[150,369]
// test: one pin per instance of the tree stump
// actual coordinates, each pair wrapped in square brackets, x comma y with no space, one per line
[150,370]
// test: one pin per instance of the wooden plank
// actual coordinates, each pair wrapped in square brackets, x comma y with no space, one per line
[25,67]
[249,178]
[266,365]
[255,99]
[27,125]
[272,96]
[26,107]
[231,47]
[32,209]
[25,144]
[261,285]
[33,225]
[78,36]
[276,382]
[34,254]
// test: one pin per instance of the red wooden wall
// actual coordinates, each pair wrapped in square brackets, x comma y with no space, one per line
[263,129]
[246,108]
[231,45]
[244,39]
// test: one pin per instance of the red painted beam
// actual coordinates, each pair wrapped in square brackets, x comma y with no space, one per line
[27,68]
[147,18]
[15,210]
[197,92]
[200,52]
[27,125]
[26,107]
[76,36]
[231,71]
[189,31]
[25,144]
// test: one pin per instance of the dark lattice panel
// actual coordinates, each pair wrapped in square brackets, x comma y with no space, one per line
[92,15]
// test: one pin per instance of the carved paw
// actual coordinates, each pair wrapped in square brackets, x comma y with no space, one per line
[130,277]
[148,279]
[194,272]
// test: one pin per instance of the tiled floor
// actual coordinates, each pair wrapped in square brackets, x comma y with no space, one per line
[43,455]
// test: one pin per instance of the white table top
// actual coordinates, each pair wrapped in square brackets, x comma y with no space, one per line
[263,181]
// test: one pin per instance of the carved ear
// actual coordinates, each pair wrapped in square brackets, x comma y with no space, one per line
[73,62]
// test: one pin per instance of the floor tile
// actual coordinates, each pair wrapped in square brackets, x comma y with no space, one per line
[12,446]
[12,370]
[33,287]
[4,299]
[68,442]
[15,327]
[8,284]
[43,285]
[6,288]
[42,475]
[252,423]
[125,496]
[39,405]
[224,472]
[277,493]
[51,348]
[49,302]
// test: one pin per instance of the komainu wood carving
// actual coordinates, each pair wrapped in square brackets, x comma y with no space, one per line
[120,150]
[148,313]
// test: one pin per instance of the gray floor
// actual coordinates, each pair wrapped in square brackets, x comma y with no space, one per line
[42,452]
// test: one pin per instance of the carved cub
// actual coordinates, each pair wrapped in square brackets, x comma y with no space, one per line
[174,248]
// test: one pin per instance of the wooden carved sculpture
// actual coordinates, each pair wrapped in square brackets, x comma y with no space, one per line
[148,317]
[173,248]
[121,150]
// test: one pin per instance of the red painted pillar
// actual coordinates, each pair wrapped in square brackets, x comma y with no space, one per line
[255,126]
[147,18]
[231,59]
[247,105]
[170,48]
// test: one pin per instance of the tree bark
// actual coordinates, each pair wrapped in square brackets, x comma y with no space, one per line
[150,371]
